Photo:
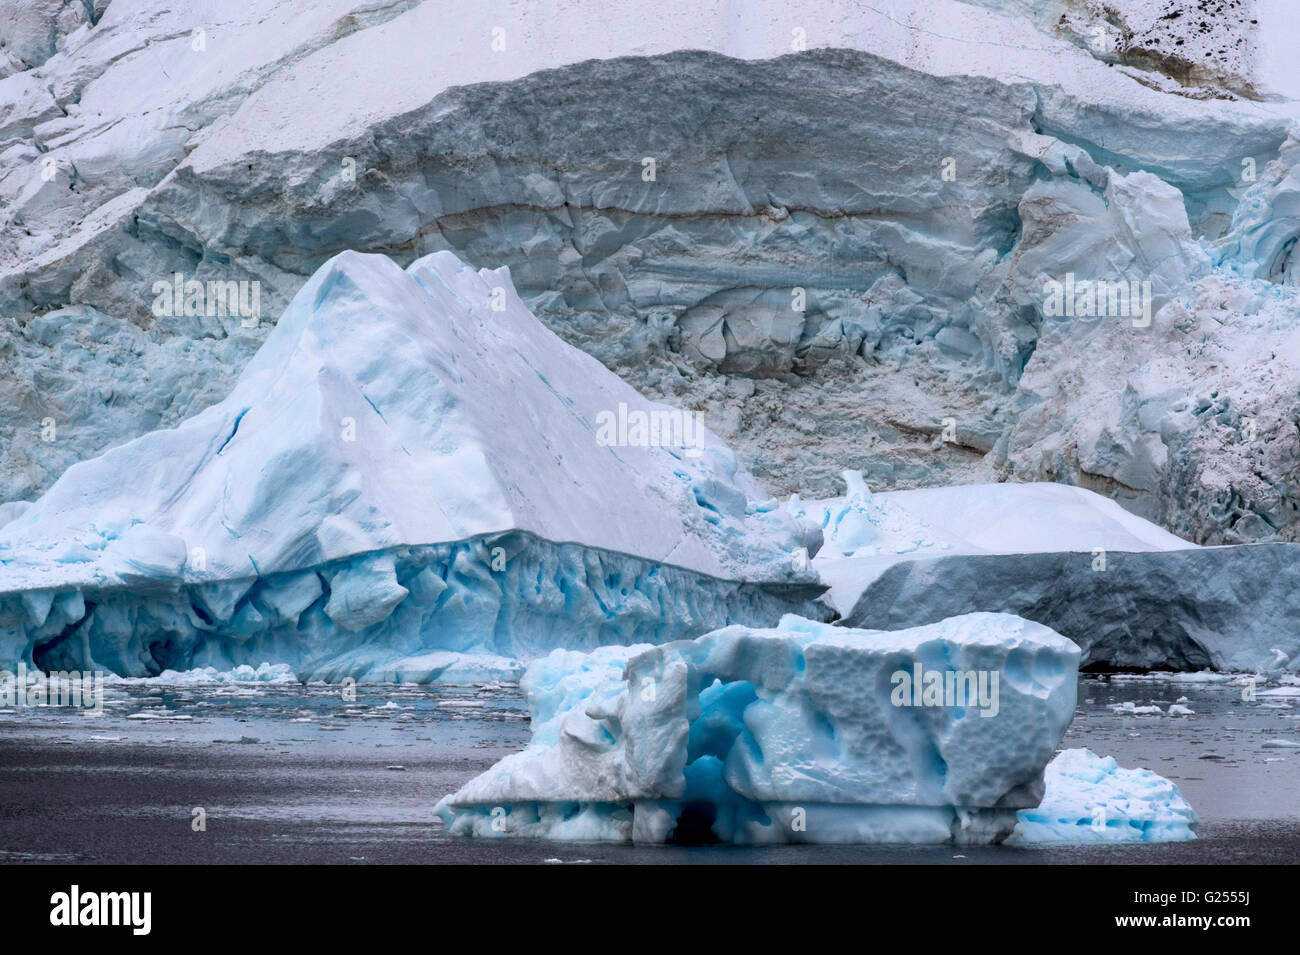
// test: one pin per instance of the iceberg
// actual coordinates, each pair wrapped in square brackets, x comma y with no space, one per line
[802,733]
[1222,608]
[866,533]
[1129,593]
[1091,799]
[411,464]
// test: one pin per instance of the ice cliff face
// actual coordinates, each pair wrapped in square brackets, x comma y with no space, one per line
[411,464]
[831,232]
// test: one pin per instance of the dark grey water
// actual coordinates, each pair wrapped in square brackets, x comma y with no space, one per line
[287,773]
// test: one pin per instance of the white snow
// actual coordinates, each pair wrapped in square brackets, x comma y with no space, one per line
[1277,40]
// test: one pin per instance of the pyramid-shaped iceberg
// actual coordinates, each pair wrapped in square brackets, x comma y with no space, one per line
[411,466]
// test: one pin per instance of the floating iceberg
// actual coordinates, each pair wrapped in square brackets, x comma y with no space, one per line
[412,463]
[267,673]
[866,533]
[1091,799]
[801,733]
[1129,593]
[1222,608]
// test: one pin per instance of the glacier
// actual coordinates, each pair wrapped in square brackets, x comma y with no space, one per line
[1039,251]
[802,733]
[145,138]
[411,468]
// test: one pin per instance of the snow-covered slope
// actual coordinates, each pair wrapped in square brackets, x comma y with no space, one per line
[401,434]
[911,171]
[1197,48]
[977,519]
[1026,518]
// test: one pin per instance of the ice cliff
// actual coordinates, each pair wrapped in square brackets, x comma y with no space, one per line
[828,227]
[412,465]
[800,733]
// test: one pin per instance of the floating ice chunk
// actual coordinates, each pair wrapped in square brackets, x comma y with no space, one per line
[160,716]
[1226,608]
[1091,799]
[200,676]
[1165,676]
[801,733]
[1129,708]
[449,668]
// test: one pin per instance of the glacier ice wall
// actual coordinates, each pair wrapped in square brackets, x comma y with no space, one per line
[824,170]
[792,734]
